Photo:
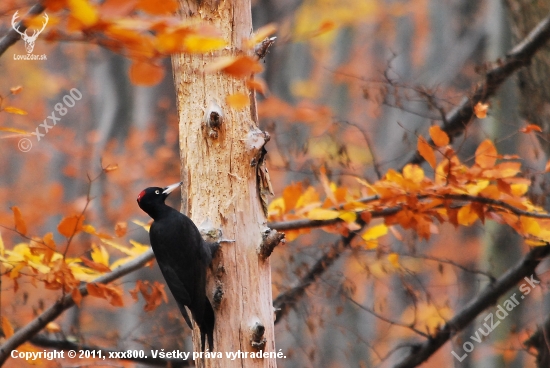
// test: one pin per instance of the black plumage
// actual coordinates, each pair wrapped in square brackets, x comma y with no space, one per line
[183,257]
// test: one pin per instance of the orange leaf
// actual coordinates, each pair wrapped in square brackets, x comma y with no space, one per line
[14,110]
[257,85]
[261,34]
[20,226]
[480,110]
[439,137]
[547,167]
[16,90]
[117,8]
[94,265]
[145,74]
[238,101]
[426,151]
[530,128]
[156,7]
[70,225]
[326,26]
[121,228]
[77,296]
[486,155]
[7,328]
[48,240]
[291,194]
[236,66]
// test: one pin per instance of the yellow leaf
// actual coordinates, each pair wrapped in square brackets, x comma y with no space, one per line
[439,137]
[519,189]
[142,224]
[13,130]
[238,101]
[535,243]
[413,173]
[486,154]
[138,247]
[474,189]
[375,232]
[20,225]
[276,207]
[88,229]
[83,11]
[426,151]
[201,44]
[322,214]
[120,247]
[1,246]
[466,216]
[393,258]
[530,225]
[14,110]
[100,255]
[480,110]
[348,216]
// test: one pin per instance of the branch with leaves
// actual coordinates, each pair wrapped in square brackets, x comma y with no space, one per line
[28,331]
[456,121]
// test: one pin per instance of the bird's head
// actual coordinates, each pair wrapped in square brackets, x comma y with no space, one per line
[151,200]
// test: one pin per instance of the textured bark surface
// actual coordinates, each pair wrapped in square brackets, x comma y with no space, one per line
[220,186]
[533,80]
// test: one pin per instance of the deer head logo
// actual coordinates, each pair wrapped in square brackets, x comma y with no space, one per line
[29,40]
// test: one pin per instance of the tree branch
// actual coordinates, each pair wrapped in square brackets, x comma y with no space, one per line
[488,297]
[32,328]
[12,36]
[495,203]
[287,300]
[521,55]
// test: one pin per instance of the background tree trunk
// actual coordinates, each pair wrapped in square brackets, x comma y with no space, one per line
[220,186]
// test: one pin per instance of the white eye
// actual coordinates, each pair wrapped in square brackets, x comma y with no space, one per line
[157,191]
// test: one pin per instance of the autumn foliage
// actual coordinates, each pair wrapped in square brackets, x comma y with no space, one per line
[368,231]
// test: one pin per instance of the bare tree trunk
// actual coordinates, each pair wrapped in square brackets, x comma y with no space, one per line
[220,186]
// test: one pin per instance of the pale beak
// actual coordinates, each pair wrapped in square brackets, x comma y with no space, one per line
[169,189]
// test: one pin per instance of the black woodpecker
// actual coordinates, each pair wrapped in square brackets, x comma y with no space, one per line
[183,257]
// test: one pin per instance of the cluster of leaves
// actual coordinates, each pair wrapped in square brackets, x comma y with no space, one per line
[491,188]
[146,31]
[43,260]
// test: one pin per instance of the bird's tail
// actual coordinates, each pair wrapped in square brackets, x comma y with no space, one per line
[207,326]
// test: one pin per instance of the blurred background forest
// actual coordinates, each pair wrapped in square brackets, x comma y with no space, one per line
[350,85]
